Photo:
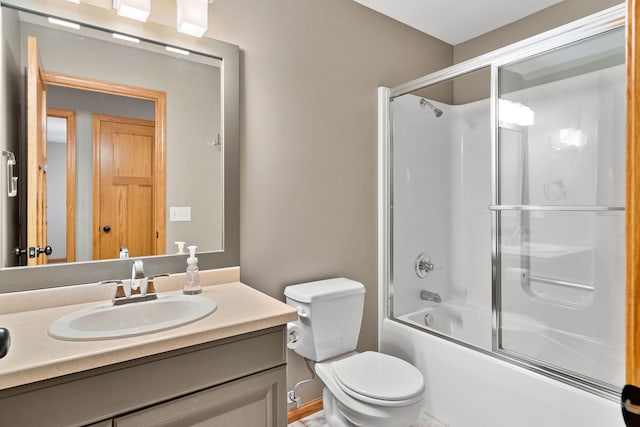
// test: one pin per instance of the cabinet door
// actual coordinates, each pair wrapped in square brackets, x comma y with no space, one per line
[256,401]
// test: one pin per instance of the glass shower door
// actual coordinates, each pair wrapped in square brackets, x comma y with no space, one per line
[441,187]
[560,209]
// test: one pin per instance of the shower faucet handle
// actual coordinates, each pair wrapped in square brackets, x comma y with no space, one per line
[426,265]
[423,265]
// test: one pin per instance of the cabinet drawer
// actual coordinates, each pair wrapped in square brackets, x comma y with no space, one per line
[253,401]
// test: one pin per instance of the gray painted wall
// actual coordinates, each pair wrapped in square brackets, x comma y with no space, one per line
[56,205]
[308,124]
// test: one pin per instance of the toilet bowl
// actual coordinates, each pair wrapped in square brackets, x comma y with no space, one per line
[366,389]
[371,389]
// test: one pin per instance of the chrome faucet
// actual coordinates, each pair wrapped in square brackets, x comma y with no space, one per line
[140,288]
[430,296]
[138,279]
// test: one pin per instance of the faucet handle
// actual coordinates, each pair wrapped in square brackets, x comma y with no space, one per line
[423,265]
[122,290]
[151,289]
[106,282]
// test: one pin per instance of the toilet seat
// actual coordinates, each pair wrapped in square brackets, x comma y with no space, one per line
[378,379]
[361,410]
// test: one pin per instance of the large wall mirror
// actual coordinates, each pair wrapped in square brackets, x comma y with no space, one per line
[125,140]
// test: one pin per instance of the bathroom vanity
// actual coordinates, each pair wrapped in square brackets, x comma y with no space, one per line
[226,369]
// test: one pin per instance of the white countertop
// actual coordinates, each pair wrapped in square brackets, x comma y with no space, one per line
[35,356]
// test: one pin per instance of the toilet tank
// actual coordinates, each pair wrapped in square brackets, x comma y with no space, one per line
[329,316]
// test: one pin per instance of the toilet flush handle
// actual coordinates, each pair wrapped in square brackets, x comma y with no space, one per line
[301,312]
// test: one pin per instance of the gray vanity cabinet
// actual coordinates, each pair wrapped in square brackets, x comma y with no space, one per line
[238,381]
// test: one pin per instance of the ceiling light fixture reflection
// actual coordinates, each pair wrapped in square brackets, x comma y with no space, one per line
[192,17]
[176,50]
[515,113]
[63,23]
[568,138]
[125,38]
[74,1]
[134,9]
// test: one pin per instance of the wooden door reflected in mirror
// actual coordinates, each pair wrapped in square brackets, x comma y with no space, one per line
[125,182]
[61,179]
[36,157]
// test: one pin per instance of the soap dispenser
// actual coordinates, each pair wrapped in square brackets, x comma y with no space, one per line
[192,284]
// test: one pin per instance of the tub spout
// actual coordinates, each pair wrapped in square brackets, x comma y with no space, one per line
[430,296]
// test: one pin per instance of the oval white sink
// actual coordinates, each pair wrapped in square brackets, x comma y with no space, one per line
[109,321]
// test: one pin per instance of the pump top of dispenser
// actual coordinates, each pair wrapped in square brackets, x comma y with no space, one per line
[192,255]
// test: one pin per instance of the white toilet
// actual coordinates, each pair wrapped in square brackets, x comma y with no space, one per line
[361,389]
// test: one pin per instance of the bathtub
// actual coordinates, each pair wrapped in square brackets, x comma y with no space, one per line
[525,336]
[465,323]
[467,388]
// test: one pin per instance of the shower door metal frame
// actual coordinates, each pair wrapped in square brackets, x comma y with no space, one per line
[609,19]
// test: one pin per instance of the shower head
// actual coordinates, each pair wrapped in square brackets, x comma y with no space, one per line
[436,111]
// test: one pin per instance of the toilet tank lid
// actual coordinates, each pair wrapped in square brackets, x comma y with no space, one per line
[323,289]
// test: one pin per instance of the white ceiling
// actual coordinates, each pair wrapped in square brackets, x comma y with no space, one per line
[456,21]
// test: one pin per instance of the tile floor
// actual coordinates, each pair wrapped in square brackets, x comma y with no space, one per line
[317,420]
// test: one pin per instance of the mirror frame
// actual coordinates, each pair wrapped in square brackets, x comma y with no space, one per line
[14,279]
